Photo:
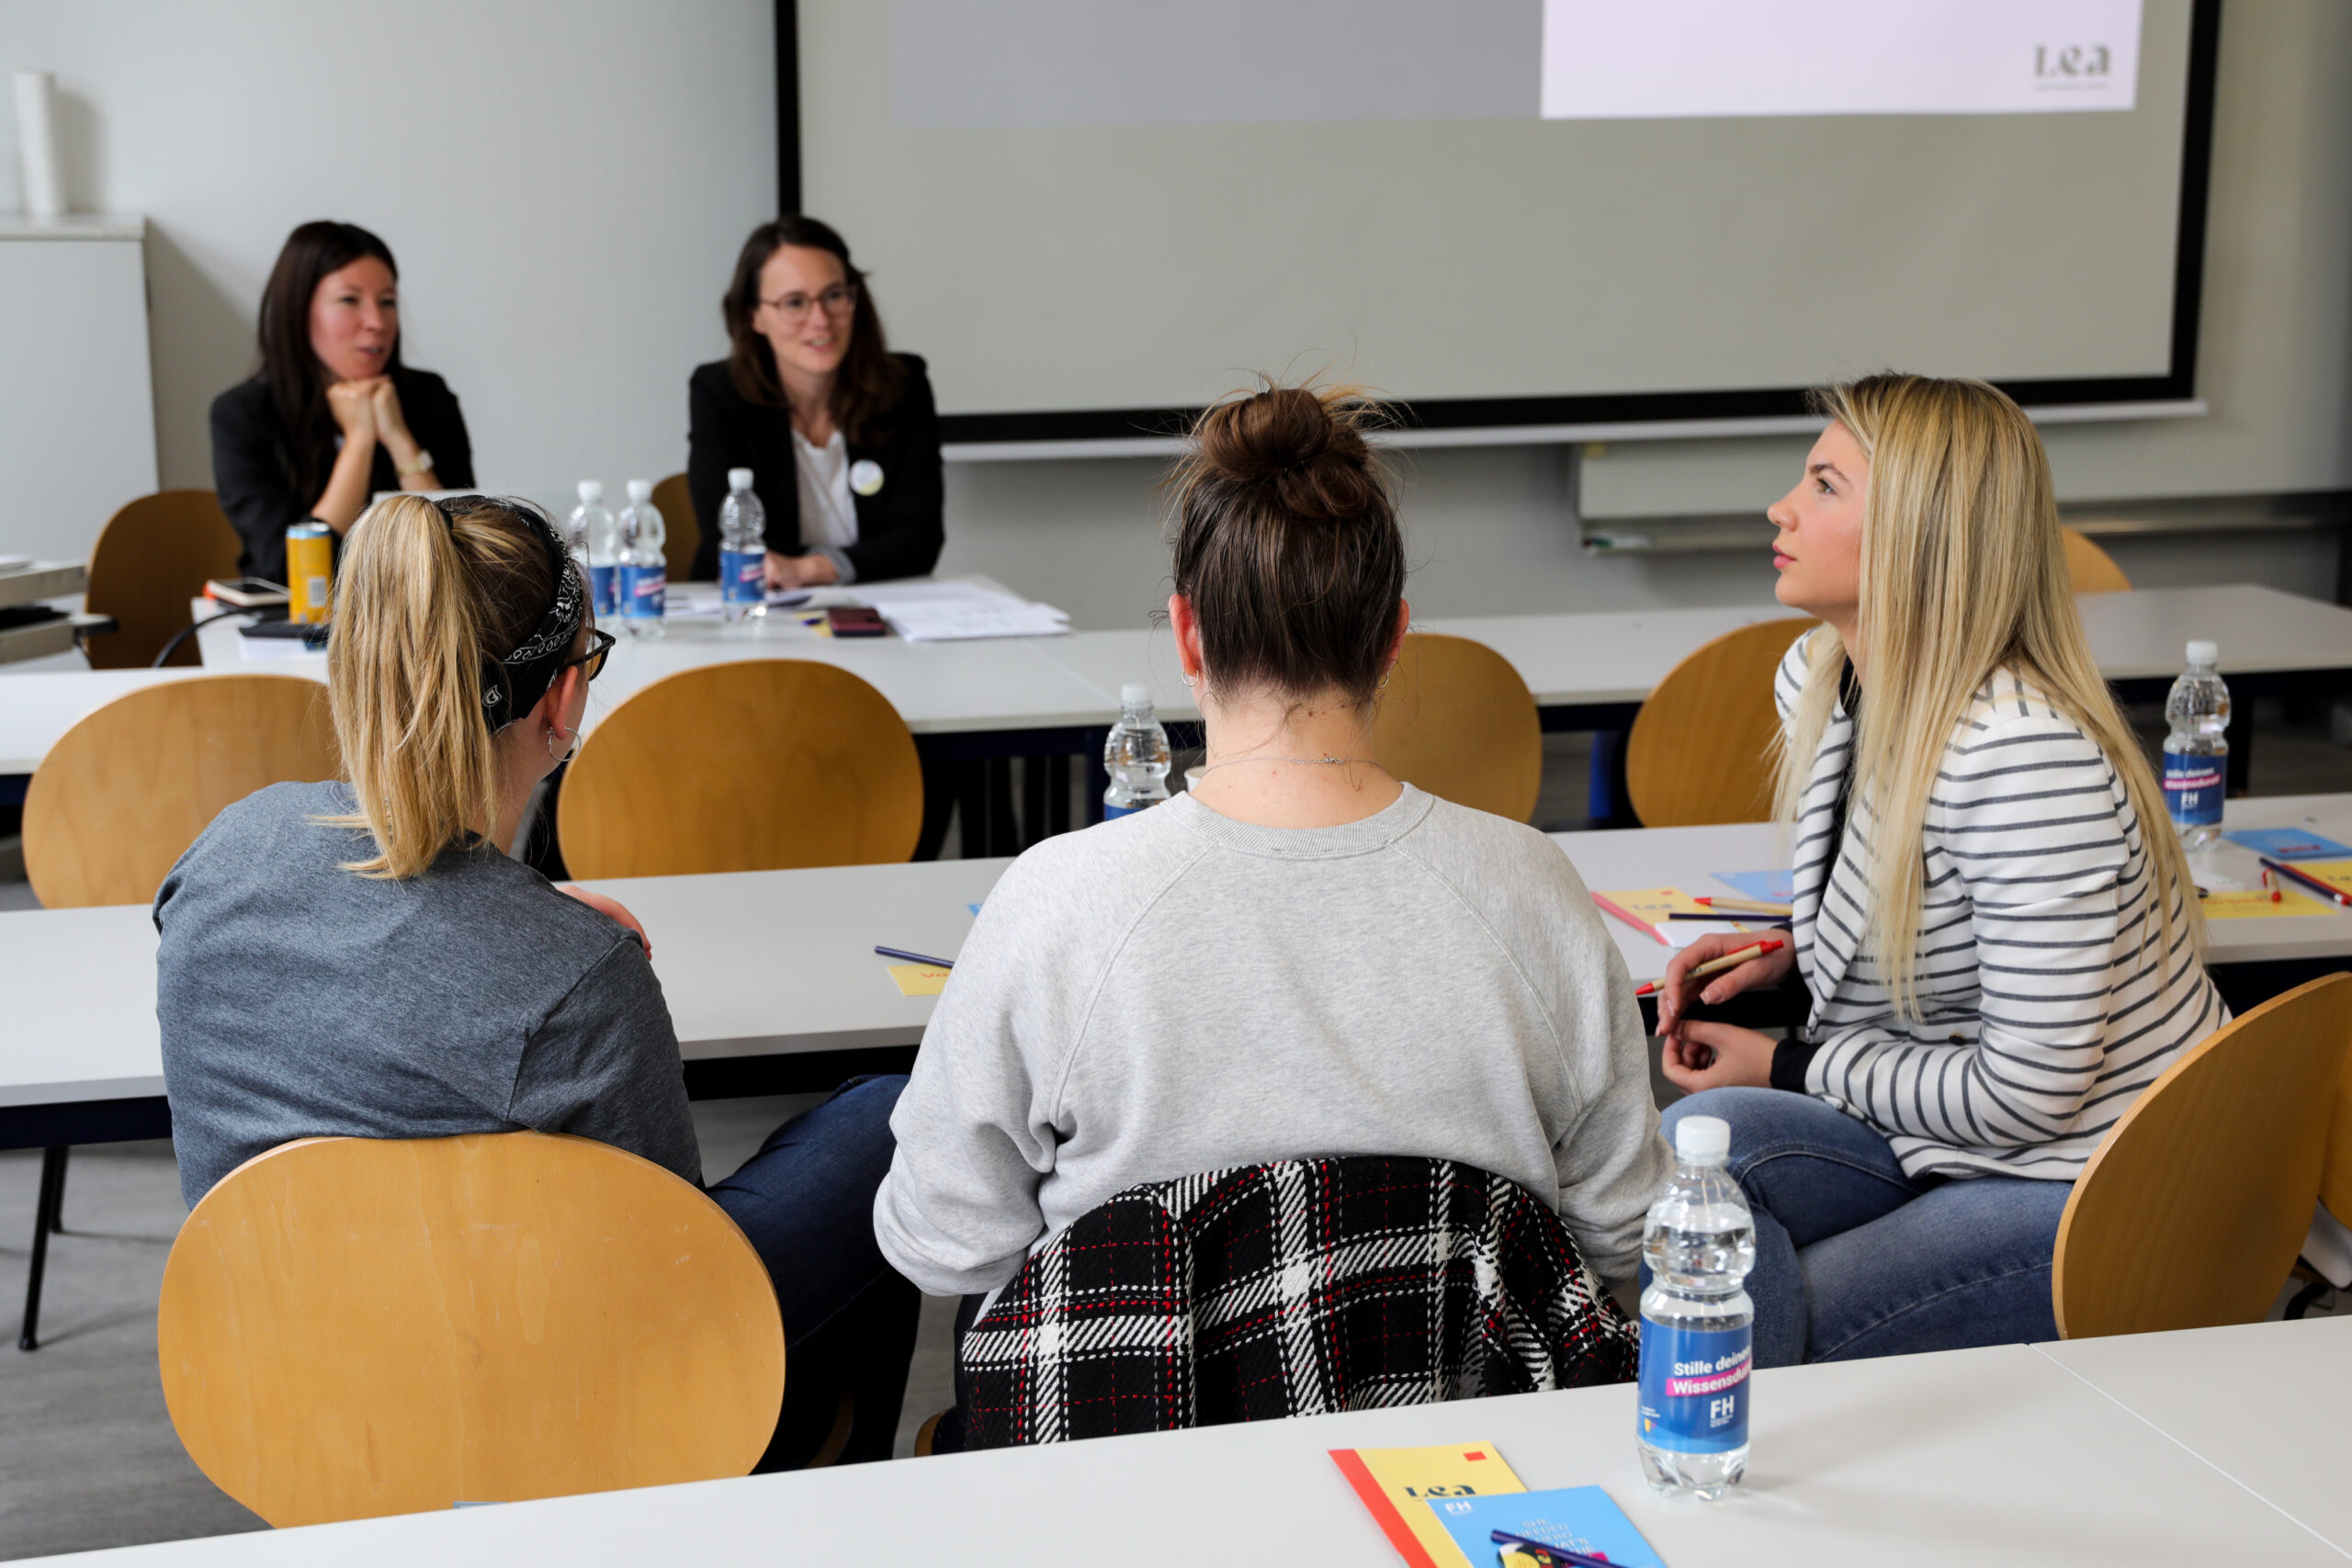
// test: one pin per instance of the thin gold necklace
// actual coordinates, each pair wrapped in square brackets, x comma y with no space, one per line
[1303,762]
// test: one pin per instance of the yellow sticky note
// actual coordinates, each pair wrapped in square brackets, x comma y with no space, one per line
[2337,873]
[1647,907]
[919,979]
[2254,903]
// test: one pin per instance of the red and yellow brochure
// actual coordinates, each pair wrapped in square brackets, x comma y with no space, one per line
[1394,1482]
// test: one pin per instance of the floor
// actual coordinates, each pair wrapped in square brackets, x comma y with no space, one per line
[87,1456]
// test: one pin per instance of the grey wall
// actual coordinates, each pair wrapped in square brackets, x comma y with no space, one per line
[1493,530]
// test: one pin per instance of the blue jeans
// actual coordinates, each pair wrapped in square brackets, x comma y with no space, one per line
[806,1201]
[1854,1259]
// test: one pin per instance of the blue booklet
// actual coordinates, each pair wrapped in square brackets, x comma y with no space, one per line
[1577,1518]
[2289,843]
[1764,886]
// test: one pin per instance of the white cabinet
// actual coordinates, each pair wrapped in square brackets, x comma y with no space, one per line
[77,400]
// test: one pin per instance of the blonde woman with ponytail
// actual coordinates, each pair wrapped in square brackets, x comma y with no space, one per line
[361,959]
[1993,917]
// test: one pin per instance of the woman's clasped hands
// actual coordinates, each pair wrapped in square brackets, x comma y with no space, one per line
[1698,1053]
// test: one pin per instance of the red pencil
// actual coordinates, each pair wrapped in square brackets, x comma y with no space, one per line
[2306,878]
[1717,966]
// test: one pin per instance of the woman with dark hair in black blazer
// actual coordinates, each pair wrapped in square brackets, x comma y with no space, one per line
[840,434]
[333,415]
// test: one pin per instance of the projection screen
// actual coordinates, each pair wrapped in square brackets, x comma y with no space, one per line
[1090,215]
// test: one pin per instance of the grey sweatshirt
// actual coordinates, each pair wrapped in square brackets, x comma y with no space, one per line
[299,1000]
[1176,992]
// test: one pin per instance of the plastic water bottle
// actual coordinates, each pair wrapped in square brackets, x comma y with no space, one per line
[2197,752]
[743,549]
[644,576]
[1697,1322]
[597,541]
[1135,755]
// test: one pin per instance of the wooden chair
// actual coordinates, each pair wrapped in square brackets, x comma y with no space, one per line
[152,557]
[1700,750]
[352,1327]
[121,797]
[2090,570]
[750,766]
[1457,721]
[2191,1213]
[680,531]
[124,792]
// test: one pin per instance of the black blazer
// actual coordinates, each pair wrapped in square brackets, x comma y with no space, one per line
[253,475]
[900,527]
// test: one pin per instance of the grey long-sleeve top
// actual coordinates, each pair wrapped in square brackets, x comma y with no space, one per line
[297,999]
[1176,992]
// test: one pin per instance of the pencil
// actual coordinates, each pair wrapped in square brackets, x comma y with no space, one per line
[916,957]
[1720,916]
[1753,906]
[1717,966]
[2306,878]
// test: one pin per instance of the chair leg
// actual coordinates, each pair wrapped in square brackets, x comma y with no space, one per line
[45,1207]
[2303,1300]
[57,1208]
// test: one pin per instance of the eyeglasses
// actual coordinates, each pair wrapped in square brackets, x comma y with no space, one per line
[839,300]
[600,643]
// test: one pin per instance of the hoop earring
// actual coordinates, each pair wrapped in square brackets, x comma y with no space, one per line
[570,750]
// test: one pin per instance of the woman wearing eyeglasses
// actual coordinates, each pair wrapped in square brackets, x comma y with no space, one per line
[840,434]
[359,958]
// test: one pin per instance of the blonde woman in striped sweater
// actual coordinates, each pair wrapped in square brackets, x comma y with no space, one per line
[1992,914]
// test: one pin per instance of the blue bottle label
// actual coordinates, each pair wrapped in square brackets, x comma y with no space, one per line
[1111,812]
[604,587]
[1694,1388]
[742,576]
[643,589]
[2193,787]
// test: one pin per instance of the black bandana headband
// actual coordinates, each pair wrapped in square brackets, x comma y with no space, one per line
[513,687]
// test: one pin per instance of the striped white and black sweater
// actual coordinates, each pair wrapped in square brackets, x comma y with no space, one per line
[2050,999]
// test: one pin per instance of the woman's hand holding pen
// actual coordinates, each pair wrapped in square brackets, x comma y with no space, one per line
[1698,1055]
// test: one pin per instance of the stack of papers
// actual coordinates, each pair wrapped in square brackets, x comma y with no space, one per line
[701,601]
[948,612]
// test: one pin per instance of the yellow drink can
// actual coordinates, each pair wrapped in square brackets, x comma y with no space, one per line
[310,572]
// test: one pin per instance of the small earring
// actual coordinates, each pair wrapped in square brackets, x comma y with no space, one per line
[572,745]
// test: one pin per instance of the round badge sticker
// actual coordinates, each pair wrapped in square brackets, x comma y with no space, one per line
[865,476]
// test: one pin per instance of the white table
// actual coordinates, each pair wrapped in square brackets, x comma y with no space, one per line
[2264,1404]
[1962,1458]
[1613,660]
[1689,858]
[771,977]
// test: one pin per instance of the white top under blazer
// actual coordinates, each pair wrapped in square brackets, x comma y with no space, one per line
[2050,1001]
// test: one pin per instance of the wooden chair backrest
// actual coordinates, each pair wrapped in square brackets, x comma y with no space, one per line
[126,791]
[1456,720]
[2191,1213]
[152,557]
[2336,1172]
[2090,568]
[750,766]
[1701,748]
[681,532]
[357,1326]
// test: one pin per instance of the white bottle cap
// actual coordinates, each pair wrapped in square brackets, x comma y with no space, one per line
[641,490]
[1133,695]
[591,490]
[738,478]
[2201,653]
[1702,1140]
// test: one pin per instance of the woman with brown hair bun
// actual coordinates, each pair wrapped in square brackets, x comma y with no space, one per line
[1302,955]
[840,436]
[359,959]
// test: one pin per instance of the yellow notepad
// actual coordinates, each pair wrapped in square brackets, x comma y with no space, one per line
[2253,903]
[919,979]
[1394,1484]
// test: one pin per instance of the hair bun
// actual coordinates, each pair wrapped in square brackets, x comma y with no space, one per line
[1306,442]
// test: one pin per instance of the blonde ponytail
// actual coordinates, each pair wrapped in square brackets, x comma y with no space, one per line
[420,598]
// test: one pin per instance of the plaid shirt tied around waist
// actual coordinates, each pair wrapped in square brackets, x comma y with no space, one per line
[1298,1288]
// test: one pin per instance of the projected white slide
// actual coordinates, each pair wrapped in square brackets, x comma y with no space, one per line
[1709,59]
[1081,209]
